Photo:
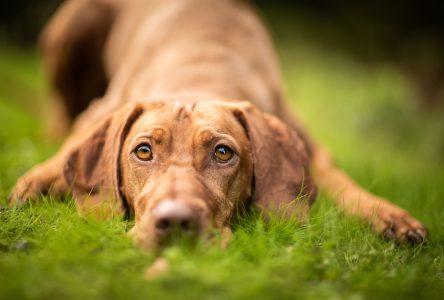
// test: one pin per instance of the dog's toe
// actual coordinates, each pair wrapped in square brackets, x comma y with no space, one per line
[26,188]
[18,195]
[401,227]
[414,237]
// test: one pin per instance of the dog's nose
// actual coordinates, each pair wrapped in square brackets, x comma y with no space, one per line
[174,216]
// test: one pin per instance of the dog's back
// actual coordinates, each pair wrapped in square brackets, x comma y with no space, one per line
[149,50]
[217,48]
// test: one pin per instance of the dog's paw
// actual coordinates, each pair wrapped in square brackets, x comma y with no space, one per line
[396,224]
[28,187]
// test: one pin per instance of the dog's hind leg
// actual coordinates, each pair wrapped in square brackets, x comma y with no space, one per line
[72,44]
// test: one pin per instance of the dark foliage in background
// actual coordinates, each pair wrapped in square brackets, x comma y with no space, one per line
[22,20]
[408,33]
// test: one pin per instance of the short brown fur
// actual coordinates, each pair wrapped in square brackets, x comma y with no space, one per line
[183,77]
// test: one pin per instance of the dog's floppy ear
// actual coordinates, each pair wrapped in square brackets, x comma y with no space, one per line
[282,179]
[92,167]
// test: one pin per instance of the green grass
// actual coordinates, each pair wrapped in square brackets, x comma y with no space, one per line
[365,116]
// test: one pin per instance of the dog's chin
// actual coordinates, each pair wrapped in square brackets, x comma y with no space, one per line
[143,239]
[146,239]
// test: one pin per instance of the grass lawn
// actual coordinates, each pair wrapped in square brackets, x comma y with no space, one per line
[368,119]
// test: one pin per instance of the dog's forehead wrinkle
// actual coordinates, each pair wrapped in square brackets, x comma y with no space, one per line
[182,110]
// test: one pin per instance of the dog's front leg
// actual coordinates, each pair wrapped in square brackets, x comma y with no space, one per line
[43,179]
[385,217]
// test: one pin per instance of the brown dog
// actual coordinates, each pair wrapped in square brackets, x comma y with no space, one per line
[190,125]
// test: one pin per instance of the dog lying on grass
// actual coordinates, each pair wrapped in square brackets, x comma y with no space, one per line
[188,125]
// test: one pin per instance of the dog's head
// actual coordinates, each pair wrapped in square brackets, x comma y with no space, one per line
[188,168]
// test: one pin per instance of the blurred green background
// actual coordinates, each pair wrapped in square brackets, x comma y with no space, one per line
[366,79]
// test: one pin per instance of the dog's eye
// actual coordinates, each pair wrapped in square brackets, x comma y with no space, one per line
[223,153]
[143,152]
